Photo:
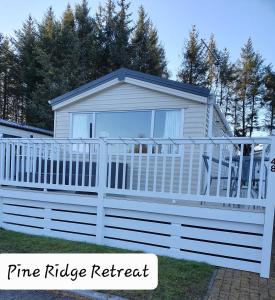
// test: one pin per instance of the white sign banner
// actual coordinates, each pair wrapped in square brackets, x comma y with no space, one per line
[78,271]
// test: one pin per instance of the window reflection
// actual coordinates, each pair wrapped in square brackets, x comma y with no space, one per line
[135,124]
[131,124]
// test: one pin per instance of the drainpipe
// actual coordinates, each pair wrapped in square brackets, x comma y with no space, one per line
[211,100]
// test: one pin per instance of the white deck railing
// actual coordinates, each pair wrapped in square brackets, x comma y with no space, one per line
[135,182]
[226,170]
[50,163]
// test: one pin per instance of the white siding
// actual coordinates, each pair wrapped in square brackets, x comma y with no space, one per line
[129,97]
[220,125]
[219,128]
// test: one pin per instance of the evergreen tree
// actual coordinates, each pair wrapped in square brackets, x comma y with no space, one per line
[120,52]
[11,103]
[101,58]
[148,55]
[212,63]
[225,92]
[25,43]
[105,24]
[113,30]
[269,98]
[249,90]
[50,61]
[68,49]
[157,59]
[140,42]
[55,56]
[87,40]
[193,69]
[256,94]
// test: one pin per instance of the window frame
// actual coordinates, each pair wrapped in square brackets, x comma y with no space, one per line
[152,125]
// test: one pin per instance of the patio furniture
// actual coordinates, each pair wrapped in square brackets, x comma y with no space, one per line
[244,174]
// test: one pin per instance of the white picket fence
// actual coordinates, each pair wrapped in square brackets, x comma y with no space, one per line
[149,195]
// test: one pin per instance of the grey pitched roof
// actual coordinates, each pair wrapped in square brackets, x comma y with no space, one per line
[25,127]
[120,74]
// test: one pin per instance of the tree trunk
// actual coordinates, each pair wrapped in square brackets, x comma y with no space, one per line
[243,117]
[191,74]
[221,96]
[252,116]
[5,100]
[271,118]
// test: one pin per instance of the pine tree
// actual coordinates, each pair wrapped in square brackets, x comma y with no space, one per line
[225,92]
[25,44]
[11,103]
[193,68]
[113,30]
[140,42]
[105,24]
[5,62]
[88,44]
[148,55]
[120,52]
[269,98]
[212,62]
[157,59]
[69,55]
[100,59]
[249,90]
[256,94]
[52,82]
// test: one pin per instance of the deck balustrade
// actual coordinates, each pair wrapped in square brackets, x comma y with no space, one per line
[223,170]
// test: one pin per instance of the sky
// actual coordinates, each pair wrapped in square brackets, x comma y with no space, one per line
[231,21]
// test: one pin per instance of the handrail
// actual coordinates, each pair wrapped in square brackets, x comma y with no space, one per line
[203,140]
[150,165]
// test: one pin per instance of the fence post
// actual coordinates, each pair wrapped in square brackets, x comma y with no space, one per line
[269,213]
[102,179]
[2,161]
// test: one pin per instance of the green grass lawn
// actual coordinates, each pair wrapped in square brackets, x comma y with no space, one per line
[178,279]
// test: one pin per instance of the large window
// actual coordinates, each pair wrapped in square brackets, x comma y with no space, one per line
[134,124]
[130,124]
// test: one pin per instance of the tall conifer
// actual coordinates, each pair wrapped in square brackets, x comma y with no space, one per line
[249,90]
[50,71]
[120,52]
[193,68]
[25,43]
[87,41]
[269,98]
[11,103]
[148,55]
